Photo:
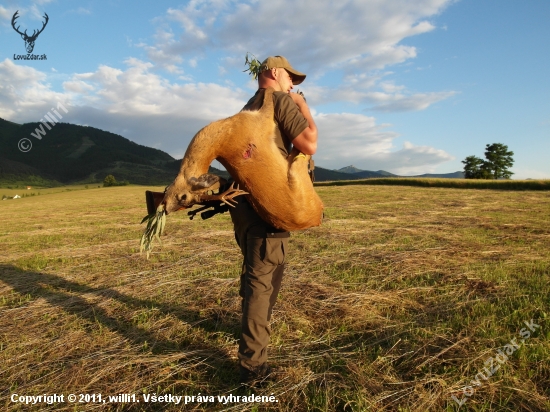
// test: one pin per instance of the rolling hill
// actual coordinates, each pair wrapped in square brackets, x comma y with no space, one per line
[70,153]
[80,154]
[366,174]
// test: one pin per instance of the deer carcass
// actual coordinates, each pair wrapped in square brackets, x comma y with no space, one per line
[279,189]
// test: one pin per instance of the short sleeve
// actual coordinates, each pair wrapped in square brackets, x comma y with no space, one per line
[288,117]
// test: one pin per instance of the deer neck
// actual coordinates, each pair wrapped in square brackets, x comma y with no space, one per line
[202,150]
[213,141]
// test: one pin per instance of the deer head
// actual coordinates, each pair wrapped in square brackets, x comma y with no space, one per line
[184,193]
[29,40]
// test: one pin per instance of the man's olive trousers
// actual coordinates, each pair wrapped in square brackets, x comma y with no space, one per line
[263,249]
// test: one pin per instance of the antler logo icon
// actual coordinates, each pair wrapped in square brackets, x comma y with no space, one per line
[29,40]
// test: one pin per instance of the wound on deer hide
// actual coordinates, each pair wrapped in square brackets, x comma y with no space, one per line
[247,154]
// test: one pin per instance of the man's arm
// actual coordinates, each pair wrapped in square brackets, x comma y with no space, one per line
[305,142]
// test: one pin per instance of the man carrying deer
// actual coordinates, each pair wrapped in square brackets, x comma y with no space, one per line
[265,247]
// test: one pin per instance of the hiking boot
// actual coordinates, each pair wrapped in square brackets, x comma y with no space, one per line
[255,376]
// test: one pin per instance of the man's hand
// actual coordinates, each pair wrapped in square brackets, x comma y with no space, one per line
[298,99]
[305,142]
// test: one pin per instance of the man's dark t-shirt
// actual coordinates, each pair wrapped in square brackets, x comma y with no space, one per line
[290,122]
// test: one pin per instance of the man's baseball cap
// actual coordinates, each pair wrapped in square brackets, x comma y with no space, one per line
[273,62]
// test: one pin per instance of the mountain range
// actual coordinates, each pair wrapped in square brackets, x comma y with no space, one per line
[365,174]
[71,153]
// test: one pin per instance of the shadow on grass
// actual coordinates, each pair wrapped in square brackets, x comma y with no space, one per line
[67,295]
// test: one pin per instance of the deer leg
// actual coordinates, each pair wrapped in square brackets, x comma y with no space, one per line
[226,197]
[297,170]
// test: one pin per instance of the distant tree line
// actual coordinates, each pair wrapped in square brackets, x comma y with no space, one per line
[495,166]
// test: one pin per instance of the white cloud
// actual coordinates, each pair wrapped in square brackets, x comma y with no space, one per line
[316,34]
[400,102]
[137,91]
[377,96]
[23,90]
[163,56]
[80,10]
[390,87]
[359,38]
[77,86]
[414,160]
[356,139]
[347,135]
[4,13]
[38,12]
[382,57]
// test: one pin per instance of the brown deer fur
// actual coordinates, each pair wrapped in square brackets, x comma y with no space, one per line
[279,189]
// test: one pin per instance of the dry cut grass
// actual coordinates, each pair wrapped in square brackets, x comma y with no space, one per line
[394,304]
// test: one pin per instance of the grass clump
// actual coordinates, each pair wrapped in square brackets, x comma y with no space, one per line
[155,228]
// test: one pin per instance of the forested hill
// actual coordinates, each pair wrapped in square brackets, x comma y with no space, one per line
[70,153]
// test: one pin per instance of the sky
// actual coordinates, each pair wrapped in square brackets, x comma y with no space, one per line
[406,86]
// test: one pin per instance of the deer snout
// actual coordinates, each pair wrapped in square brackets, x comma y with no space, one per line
[173,203]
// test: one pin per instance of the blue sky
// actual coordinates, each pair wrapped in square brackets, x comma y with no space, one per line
[408,86]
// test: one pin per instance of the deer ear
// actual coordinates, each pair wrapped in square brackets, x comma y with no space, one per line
[206,181]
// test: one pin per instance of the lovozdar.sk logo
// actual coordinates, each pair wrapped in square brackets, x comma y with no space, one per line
[29,40]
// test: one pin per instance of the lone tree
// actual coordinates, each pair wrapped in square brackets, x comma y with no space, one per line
[499,159]
[109,181]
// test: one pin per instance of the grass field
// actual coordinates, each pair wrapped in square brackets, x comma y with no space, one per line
[396,303]
[34,191]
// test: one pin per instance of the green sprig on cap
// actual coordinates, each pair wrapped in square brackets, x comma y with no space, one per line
[254,66]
